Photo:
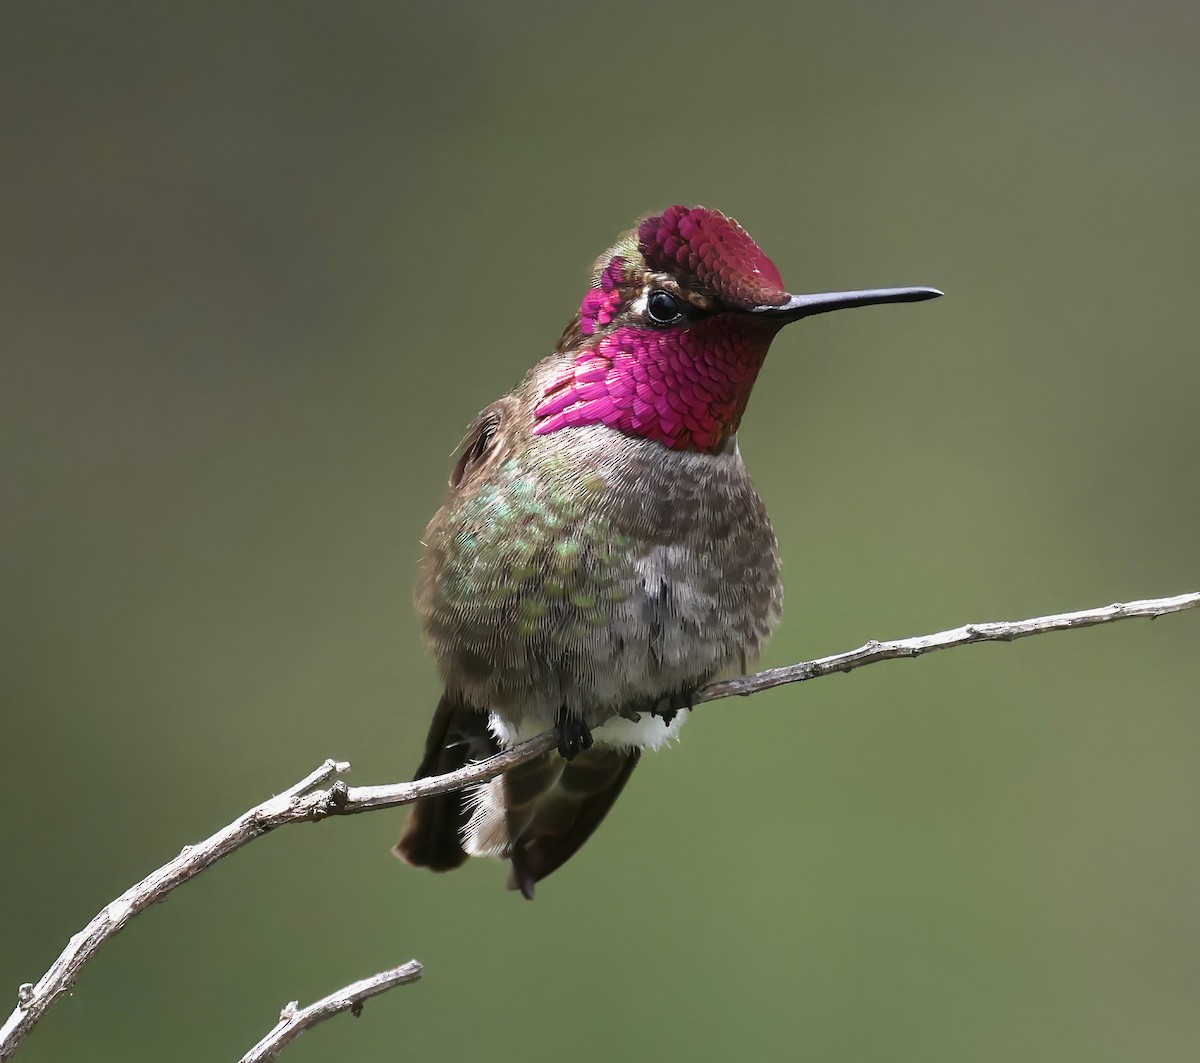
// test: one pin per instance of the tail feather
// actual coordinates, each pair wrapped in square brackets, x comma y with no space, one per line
[537,815]
[503,809]
[565,816]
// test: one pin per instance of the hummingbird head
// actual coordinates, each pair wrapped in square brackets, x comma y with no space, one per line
[670,337]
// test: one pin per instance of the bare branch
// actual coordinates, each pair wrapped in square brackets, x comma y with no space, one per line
[995,631]
[295,1020]
[33,1000]
[294,805]
[304,803]
[347,800]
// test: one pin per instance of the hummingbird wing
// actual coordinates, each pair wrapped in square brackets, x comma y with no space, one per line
[433,835]
[458,732]
[484,442]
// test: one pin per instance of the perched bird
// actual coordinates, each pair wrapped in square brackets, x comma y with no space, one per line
[602,553]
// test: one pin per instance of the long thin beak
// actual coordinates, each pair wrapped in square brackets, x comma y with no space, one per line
[799,306]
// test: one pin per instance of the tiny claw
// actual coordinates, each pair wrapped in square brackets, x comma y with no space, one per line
[668,707]
[573,734]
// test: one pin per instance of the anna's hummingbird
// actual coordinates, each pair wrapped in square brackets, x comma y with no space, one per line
[602,553]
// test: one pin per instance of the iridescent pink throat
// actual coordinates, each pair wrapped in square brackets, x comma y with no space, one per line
[686,388]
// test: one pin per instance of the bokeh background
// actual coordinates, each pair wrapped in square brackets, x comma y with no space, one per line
[262,264]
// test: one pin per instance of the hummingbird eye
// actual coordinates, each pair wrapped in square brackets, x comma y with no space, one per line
[663,308]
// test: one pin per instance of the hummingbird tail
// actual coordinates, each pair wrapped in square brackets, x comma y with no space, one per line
[433,835]
[536,815]
[549,823]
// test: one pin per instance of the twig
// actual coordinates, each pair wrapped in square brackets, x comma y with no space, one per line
[996,631]
[295,1020]
[348,800]
[33,1000]
[304,803]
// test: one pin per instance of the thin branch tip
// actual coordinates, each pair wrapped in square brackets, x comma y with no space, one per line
[295,1020]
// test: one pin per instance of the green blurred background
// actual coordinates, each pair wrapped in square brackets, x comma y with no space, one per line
[263,263]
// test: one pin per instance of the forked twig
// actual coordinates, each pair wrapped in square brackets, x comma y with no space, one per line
[303,802]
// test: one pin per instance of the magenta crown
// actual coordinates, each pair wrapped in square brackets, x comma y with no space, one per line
[716,250]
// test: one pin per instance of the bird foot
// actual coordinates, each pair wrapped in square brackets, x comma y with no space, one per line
[573,734]
[668,708]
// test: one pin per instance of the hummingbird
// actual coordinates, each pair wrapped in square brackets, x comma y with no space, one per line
[602,553]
